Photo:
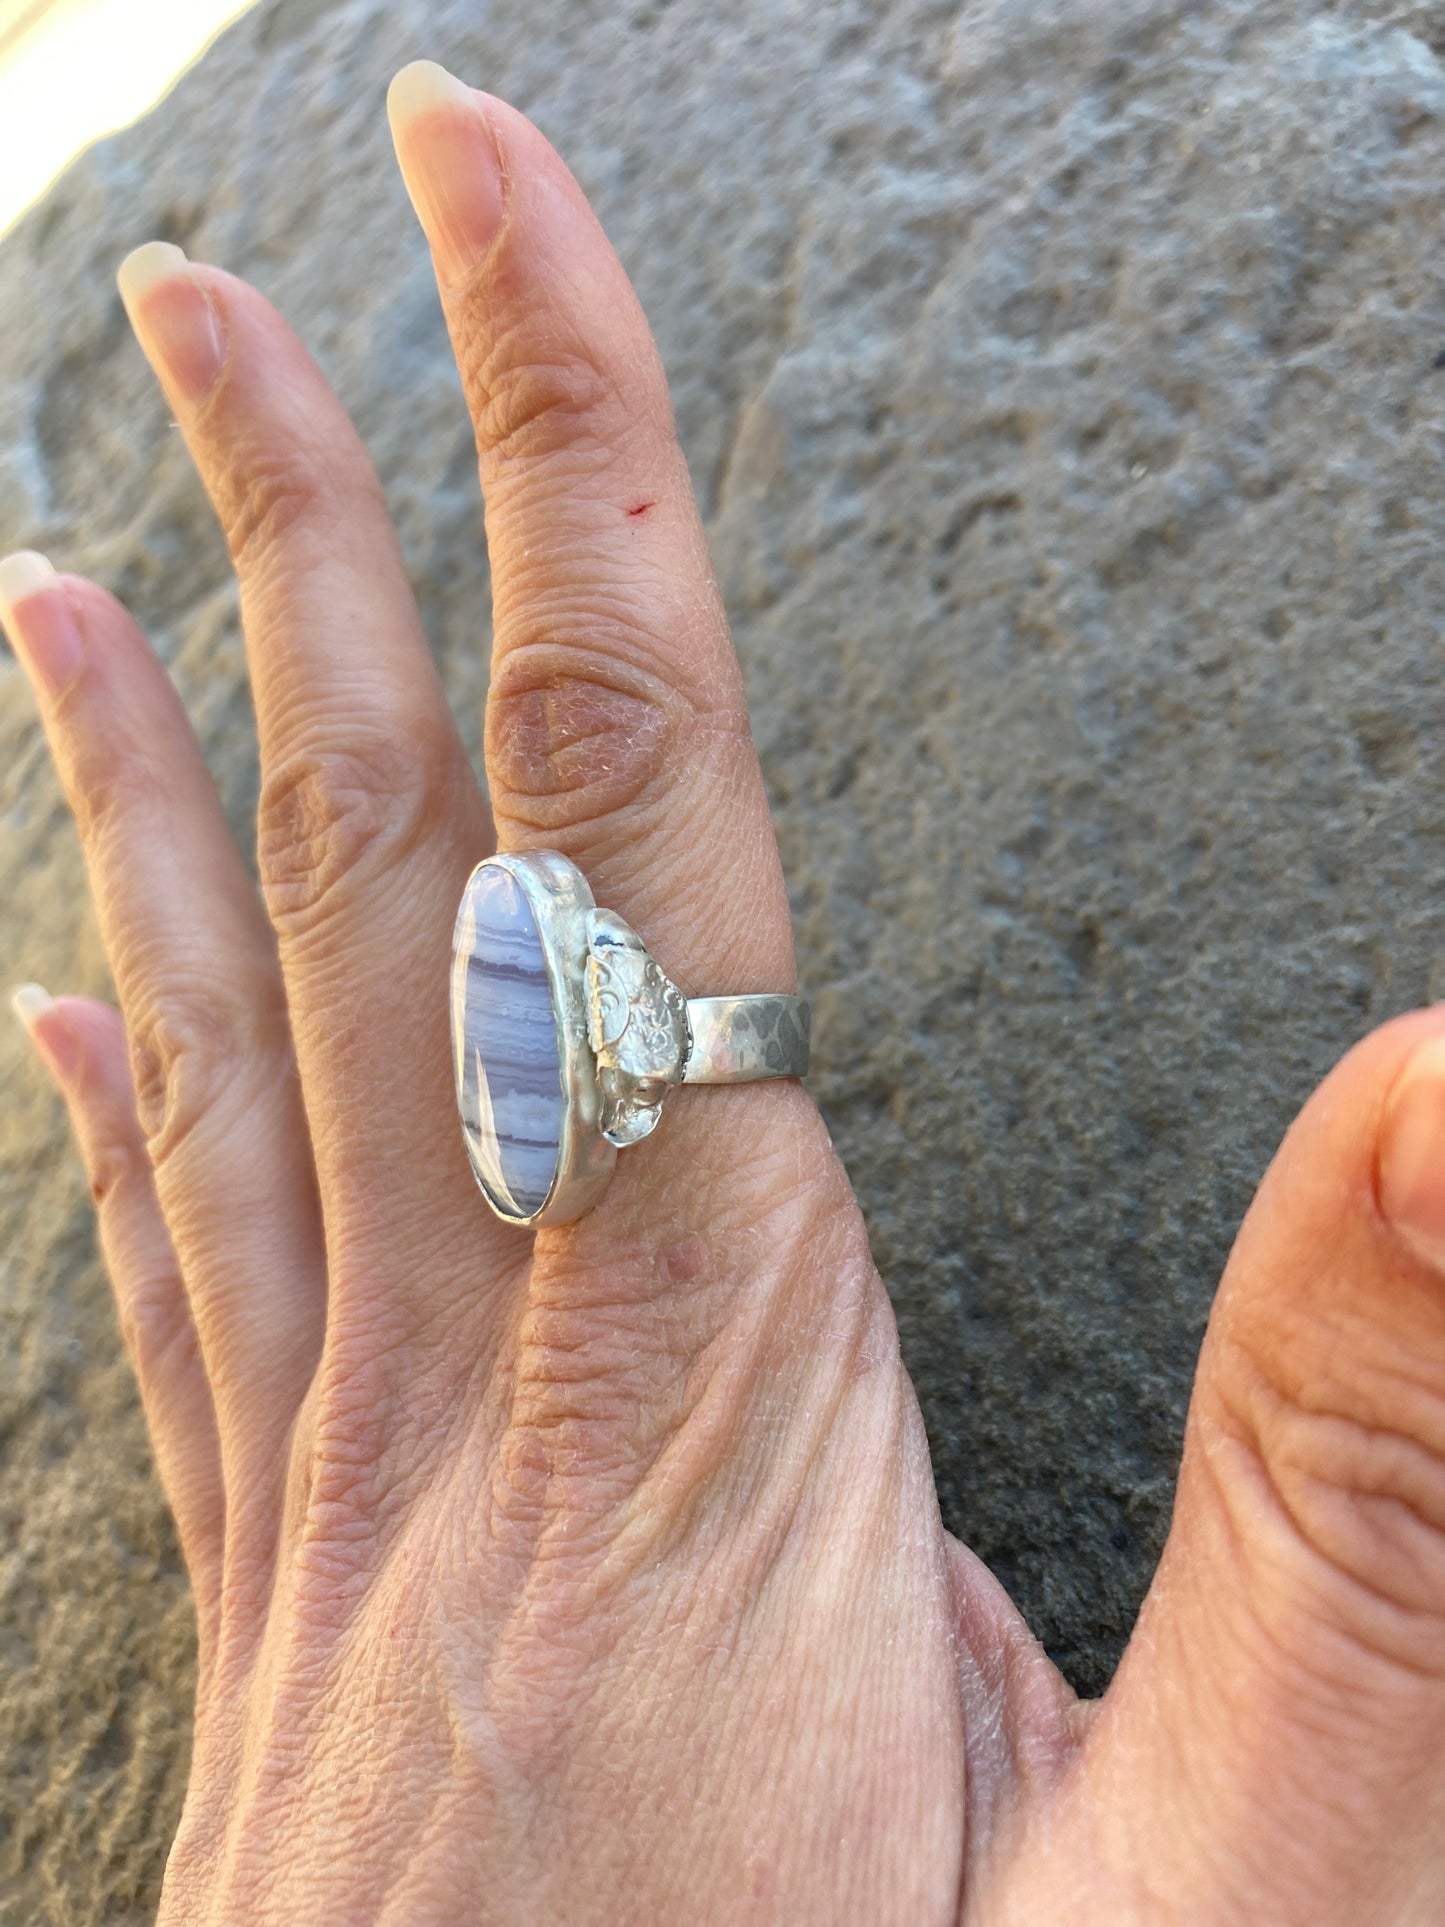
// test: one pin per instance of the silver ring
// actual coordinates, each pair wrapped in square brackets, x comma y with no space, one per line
[566,1037]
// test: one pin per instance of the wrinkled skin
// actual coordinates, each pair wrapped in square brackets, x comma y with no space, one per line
[597,1576]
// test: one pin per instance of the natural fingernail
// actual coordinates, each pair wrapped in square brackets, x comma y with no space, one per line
[39,620]
[449,162]
[175,320]
[48,1031]
[1412,1154]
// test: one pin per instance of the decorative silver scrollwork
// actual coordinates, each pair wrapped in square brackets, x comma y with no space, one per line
[637,1026]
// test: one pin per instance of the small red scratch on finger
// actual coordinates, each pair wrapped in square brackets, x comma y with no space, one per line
[642,508]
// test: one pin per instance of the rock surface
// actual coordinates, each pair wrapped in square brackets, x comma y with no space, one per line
[1064,384]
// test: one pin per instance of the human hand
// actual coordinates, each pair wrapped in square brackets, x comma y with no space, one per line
[597,1576]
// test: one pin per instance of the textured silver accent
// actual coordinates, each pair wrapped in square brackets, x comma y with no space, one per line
[637,1026]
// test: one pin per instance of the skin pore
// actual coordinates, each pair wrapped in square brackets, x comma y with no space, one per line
[596,1577]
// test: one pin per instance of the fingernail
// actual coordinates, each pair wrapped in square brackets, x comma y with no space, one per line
[51,1035]
[1412,1154]
[175,320]
[39,620]
[449,162]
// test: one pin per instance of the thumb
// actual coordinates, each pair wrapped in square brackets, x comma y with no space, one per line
[1272,1748]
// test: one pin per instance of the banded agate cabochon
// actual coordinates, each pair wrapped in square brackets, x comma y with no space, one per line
[506,1045]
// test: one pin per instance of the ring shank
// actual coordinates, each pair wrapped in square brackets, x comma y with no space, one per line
[739,1040]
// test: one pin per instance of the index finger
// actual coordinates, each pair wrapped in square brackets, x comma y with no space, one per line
[617,726]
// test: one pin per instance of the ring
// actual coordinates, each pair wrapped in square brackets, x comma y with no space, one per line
[566,1037]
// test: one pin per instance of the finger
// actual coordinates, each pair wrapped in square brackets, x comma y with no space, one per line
[195,966]
[1271,1747]
[617,733]
[617,729]
[83,1046]
[370,819]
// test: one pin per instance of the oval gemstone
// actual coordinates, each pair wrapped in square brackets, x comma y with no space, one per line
[505,1044]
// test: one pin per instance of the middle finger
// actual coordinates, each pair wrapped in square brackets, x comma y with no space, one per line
[370,818]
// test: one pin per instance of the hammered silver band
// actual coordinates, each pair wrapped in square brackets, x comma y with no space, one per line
[739,1040]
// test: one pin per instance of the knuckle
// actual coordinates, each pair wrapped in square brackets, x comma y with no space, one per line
[187,1056]
[578,730]
[158,1331]
[114,1159]
[529,404]
[266,502]
[275,496]
[570,740]
[1347,1440]
[110,787]
[333,818]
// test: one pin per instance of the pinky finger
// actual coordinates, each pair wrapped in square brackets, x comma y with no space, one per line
[83,1045]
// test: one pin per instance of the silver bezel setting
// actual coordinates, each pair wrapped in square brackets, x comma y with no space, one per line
[560,901]
[626,1035]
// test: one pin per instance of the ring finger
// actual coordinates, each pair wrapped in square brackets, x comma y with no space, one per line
[195,967]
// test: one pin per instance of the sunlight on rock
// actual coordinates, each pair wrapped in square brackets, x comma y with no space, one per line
[74,70]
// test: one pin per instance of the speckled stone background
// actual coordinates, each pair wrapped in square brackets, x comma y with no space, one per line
[1064,383]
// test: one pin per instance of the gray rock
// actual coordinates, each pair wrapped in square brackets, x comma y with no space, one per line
[1063,383]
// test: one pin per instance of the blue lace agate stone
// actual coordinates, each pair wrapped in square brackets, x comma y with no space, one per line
[506,1045]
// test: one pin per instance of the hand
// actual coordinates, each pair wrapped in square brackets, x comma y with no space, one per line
[598,1577]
